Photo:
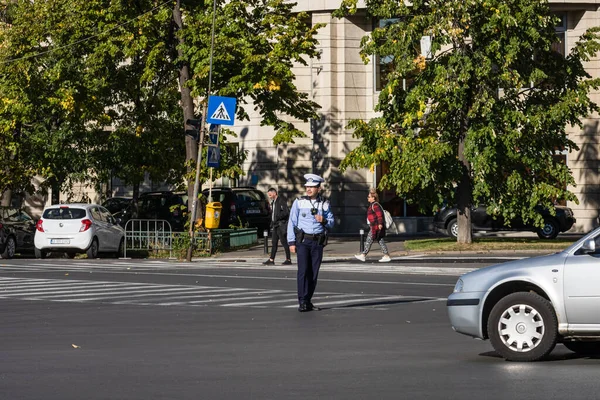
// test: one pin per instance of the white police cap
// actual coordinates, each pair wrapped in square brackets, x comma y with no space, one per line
[313,180]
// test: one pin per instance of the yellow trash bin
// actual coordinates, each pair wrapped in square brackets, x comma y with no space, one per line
[213,215]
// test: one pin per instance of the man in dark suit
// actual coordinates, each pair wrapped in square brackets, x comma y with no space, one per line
[279,219]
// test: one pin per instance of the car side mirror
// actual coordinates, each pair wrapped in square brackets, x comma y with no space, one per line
[589,246]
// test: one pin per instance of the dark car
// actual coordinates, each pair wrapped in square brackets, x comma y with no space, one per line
[248,204]
[17,230]
[117,204]
[164,205]
[445,221]
[161,205]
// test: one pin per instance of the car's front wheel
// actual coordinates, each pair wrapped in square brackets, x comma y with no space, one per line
[584,348]
[523,327]
[453,228]
[10,248]
[92,251]
[549,230]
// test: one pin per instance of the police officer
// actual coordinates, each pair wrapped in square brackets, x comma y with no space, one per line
[310,217]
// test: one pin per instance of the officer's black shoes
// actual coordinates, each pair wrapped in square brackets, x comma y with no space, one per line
[304,307]
[287,262]
[269,262]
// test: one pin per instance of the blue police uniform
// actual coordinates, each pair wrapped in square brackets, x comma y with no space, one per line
[310,249]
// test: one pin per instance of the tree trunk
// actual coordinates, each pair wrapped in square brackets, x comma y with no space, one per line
[463,196]
[187,103]
[55,187]
[6,198]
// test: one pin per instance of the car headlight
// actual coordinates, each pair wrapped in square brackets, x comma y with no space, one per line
[459,286]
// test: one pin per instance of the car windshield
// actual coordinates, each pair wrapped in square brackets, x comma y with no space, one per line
[64,213]
[249,195]
[115,205]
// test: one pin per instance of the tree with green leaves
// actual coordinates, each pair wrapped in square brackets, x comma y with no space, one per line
[100,87]
[481,118]
[48,106]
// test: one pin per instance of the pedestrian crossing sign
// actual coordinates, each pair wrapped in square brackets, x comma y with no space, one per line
[221,110]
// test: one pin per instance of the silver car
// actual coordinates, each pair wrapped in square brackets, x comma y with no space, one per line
[525,307]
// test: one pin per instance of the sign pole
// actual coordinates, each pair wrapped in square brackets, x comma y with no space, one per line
[201,141]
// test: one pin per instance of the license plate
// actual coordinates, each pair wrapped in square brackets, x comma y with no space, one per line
[60,241]
[252,211]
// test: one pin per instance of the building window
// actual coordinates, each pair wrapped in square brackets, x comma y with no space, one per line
[383,64]
[560,46]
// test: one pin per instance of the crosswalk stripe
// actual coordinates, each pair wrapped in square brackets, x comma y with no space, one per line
[154,265]
[79,291]
[199,294]
[82,287]
[196,293]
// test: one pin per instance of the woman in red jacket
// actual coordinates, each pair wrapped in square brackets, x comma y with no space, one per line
[376,221]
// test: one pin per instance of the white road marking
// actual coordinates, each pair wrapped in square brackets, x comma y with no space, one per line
[253,264]
[79,291]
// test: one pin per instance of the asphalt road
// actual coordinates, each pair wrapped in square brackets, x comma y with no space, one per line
[135,329]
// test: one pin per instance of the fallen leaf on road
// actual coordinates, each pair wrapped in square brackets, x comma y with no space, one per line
[75,346]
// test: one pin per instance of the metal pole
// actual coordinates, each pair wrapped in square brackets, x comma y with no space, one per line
[266,236]
[201,140]
[362,240]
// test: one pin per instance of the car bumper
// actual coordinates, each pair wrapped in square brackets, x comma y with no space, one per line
[567,224]
[80,242]
[464,311]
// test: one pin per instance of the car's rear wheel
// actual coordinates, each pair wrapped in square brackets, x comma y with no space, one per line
[523,327]
[549,230]
[453,228]
[92,251]
[584,348]
[10,248]
[40,253]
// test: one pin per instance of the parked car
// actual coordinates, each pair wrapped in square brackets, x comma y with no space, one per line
[17,230]
[164,205]
[248,204]
[117,204]
[445,221]
[525,307]
[78,228]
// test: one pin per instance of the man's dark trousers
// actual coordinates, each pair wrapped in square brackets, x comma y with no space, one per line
[279,232]
[310,255]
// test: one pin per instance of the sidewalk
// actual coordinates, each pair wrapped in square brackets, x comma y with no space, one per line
[344,249]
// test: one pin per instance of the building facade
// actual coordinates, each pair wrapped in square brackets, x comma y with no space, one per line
[348,89]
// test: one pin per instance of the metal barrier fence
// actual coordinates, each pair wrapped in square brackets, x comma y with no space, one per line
[219,239]
[156,235]
[149,235]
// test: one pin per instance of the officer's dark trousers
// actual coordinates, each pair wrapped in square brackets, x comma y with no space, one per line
[279,233]
[310,255]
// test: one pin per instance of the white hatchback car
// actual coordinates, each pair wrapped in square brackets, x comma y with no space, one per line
[78,228]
